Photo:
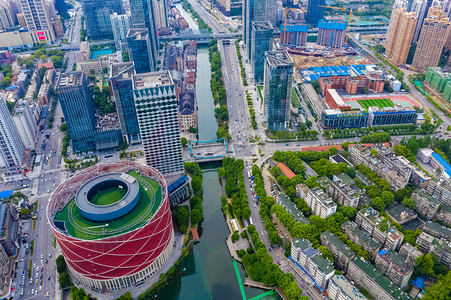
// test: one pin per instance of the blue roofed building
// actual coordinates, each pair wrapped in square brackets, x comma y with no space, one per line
[331,33]
[438,162]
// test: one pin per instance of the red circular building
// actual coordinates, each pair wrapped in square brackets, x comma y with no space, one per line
[117,253]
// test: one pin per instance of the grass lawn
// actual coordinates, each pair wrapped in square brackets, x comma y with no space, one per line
[108,196]
[381,103]
[295,99]
[83,228]
[259,88]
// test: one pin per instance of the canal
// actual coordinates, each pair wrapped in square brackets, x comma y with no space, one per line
[208,271]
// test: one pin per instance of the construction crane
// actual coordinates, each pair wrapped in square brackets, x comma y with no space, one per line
[287,7]
[349,21]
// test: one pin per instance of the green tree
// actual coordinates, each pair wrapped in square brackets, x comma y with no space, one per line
[60,264]
[409,203]
[184,142]
[196,216]
[221,172]
[63,127]
[24,212]
[378,204]
[424,266]
[6,82]
[388,198]
[235,237]
[64,280]
[246,213]
[441,290]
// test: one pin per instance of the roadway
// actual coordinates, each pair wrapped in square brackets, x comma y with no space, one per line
[208,19]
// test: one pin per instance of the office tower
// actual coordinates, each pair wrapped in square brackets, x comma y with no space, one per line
[331,34]
[139,48]
[253,10]
[12,150]
[7,18]
[97,17]
[432,39]
[143,16]
[120,24]
[272,11]
[419,8]
[157,111]
[400,35]
[161,18]
[37,19]
[315,12]
[261,41]
[121,84]
[26,124]
[277,89]
[78,109]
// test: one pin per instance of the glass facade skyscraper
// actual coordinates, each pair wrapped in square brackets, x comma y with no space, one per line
[143,16]
[139,49]
[261,41]
[97,17]
[277,87]
[121,84]
[78,109]
[253,10]
[315,12]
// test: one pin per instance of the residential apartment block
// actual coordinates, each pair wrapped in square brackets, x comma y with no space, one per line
[440,247]
[310,259]
[284,201]
[341,289]
[437,230]
[370,221]
[394,266]
[425,204]
[444,215]
[361,238]
[345,191]
[400,35]
[379,286]
[424,155]
[410,252]
[342,253]
[321,204]
[441,189]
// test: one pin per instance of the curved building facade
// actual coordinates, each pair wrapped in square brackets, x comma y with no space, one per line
[118,253]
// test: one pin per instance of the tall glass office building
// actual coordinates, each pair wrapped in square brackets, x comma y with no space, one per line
[277,87]
[261,41]
[253,10]
[97,17]
[143,16]
[139,48]
[315,12]
[121,84]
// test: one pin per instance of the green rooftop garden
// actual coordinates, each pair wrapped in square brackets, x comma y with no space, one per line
[80,227]
[108,196]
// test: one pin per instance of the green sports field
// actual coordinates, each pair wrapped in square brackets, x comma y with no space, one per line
[108,196]
[80,227]
[381,103]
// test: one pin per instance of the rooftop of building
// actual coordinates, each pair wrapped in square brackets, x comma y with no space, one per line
[286,170]
[314,73]
[126,70]
[363,236]
[404,266]
[380,279]
[301,244]
[424,194]
[400,213]
[292,209]
[70,79]
[323,197]
[278,58]
[426,151]
[262,25]
[442,244]
[78,226]
[441,161]
[324,181]
[426,237]
[338,158]
[345,178]
[138,34]
[152,80]
[331,238]
[347,287]
[324,265]
[434,226]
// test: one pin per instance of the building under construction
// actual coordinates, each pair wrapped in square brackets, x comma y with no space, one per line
[331,34]
[295,34]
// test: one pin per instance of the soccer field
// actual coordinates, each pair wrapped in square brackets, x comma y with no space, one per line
[381,103]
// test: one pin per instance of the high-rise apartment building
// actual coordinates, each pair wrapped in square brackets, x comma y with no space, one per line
[143,16]
[432,39]
[419,8]
[121,84]
[261,41]
[161,18]
[78,109]
[157,111]
[314,11]
[400,35]
[277,89]
[97,17]
[37,19]
[139,49]
[253,11]
[445,5]
[26,124]
[120,25]
[7,17]
[331,34]
[12,150]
